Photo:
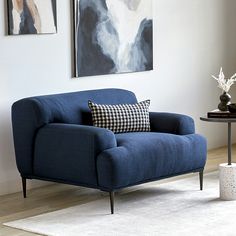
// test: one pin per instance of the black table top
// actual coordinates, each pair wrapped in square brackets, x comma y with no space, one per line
[223,120]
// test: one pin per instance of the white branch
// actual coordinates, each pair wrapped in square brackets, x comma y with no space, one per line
[224,83]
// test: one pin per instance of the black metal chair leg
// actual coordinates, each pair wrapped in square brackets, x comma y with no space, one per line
[112,201]
[201,179]
[24,186]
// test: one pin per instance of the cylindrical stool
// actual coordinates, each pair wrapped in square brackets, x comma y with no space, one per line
[227,181]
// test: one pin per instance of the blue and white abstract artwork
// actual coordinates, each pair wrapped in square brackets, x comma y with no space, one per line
[32,17]
[113,36]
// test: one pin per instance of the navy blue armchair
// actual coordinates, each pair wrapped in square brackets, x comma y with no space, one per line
[55,141]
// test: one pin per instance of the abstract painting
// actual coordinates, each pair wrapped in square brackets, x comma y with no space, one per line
[32,17]
[113,36]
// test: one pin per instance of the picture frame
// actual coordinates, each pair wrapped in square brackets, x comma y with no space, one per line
[31,17]
[112,36]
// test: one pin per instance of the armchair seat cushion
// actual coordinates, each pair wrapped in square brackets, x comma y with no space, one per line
[141,157]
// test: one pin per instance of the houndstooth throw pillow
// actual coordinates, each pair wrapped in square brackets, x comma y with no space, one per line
[121,118]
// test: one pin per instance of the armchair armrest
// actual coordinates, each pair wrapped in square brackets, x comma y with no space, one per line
[171,123]
[69,152]
[80,135]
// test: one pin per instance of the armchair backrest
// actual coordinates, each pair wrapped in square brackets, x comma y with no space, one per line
[30,114]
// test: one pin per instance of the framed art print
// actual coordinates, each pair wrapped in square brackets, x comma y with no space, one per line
[32,17]
[112,36]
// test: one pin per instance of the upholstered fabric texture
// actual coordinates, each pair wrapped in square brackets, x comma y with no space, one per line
[141,157]
[121,118]
[31,114]
[54,140]
[75,149]
[171,123]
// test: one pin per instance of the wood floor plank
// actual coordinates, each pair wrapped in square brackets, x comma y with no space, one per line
[60,196]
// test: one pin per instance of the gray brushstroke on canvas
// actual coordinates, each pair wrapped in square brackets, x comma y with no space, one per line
[132,4]
[140,52]
[91,60]
[142,49]
[98,41]
[27,21]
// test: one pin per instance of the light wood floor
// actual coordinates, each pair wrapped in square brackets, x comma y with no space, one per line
[59,196]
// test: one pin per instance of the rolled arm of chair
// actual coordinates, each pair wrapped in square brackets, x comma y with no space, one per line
[85,137]
[69,152]
[171,123]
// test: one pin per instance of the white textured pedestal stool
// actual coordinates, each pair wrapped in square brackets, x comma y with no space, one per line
[227,170]
[227,181]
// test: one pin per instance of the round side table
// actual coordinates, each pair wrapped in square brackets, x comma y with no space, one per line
[227,171]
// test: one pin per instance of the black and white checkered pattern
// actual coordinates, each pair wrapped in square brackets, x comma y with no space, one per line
[121,118]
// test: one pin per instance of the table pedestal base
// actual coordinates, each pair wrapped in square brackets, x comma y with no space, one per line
[227,181]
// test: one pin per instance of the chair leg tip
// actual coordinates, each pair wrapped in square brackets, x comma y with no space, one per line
[201,180]
[112,202]
[24,187]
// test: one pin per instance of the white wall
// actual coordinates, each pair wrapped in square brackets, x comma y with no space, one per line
[192,39]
